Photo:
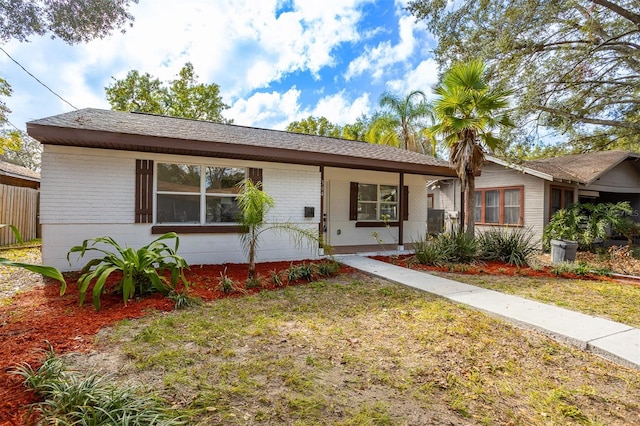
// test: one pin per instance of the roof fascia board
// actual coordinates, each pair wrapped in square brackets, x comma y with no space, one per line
[64,136]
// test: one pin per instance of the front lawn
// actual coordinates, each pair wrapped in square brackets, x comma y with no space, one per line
[352,350]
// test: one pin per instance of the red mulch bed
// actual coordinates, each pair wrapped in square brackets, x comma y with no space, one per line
[40,317]
[489,268]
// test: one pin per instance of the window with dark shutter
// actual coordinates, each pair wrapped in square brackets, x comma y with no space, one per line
[144,191]
[375,200]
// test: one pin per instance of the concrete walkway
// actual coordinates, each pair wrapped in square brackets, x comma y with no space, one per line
[613,340]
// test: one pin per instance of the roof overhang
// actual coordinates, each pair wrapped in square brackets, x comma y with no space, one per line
[520,168]
[87,138]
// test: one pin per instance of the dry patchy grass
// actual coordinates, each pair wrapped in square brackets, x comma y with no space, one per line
[357,351]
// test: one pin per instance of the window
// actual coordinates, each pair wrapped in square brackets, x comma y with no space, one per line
[430,203]
[195,194]
[371,204]
[377,202]
[561,198]
[499,206]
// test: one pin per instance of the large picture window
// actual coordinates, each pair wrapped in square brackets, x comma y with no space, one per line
[197,194]
[499,206]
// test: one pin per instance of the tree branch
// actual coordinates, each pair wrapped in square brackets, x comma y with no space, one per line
[633,17]
[597,121]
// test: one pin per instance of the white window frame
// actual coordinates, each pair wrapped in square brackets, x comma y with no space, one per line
[378,202]
[202,193]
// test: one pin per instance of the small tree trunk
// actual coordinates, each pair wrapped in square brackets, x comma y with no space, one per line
[252,255]
[470,205]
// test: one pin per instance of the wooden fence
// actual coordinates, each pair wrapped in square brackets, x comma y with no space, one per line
[18,207]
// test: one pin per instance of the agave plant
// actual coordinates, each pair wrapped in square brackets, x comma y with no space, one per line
[142,270]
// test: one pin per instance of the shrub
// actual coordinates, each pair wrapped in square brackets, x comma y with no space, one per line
[512,246]
[226,284]
[429,251]
[301,271]
[328,268]
[253,282]
[459,247]
[71,399]
[276,279]
[142,270]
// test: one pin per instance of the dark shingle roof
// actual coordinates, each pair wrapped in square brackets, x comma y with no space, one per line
[8,169]
[581,168]
[578,168]
[152,133]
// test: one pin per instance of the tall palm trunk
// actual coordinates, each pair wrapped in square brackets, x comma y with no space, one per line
[470,204]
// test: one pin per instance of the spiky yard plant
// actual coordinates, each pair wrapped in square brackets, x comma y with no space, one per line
[512,246]
[254,205]
[69,398]
[142,269]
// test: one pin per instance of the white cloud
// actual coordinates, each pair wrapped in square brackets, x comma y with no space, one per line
[423,77]
[377,59]
[338,109]
[262,107]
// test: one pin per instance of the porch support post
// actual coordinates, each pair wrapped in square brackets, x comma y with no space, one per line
[321,223]
[401,212]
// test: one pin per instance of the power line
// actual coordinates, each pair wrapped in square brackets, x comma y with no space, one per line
[36,79]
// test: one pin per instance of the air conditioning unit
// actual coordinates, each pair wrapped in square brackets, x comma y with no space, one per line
[452,214]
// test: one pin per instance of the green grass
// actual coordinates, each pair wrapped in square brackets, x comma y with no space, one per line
[605,298]
[363,352]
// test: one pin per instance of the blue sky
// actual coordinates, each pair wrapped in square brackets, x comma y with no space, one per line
[275,61]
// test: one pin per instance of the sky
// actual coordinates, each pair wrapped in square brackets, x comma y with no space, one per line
[276,61]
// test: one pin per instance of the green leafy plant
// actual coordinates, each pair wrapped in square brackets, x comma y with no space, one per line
[512,246]
[69,398]
[276,278]
[253,282]
[430,251]
[142,270]
[225,284]
[462,247]
[328,268]
[565,224]
[183,300]
[585,223]
[254,205]
[47,271]
[16,233]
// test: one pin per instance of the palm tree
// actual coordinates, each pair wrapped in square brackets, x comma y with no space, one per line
[466,112]
[254,205]
[401,122]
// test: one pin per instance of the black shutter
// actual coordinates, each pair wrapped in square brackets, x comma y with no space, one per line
[405,203]
[144,191]
[256,176]
[353,201]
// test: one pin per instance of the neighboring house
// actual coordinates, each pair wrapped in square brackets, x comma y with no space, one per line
[18,202]
[527,194]
[136,176]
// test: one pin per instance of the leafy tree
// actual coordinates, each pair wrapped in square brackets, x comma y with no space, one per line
[72,21]
[20,149]
[358,130]
[319,126]
[182,97]
[467,110]
[576,63]
[401,120]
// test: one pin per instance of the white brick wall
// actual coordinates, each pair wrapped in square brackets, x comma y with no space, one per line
[86,187]
[88,193]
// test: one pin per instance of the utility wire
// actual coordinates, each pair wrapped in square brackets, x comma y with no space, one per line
[36,79]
